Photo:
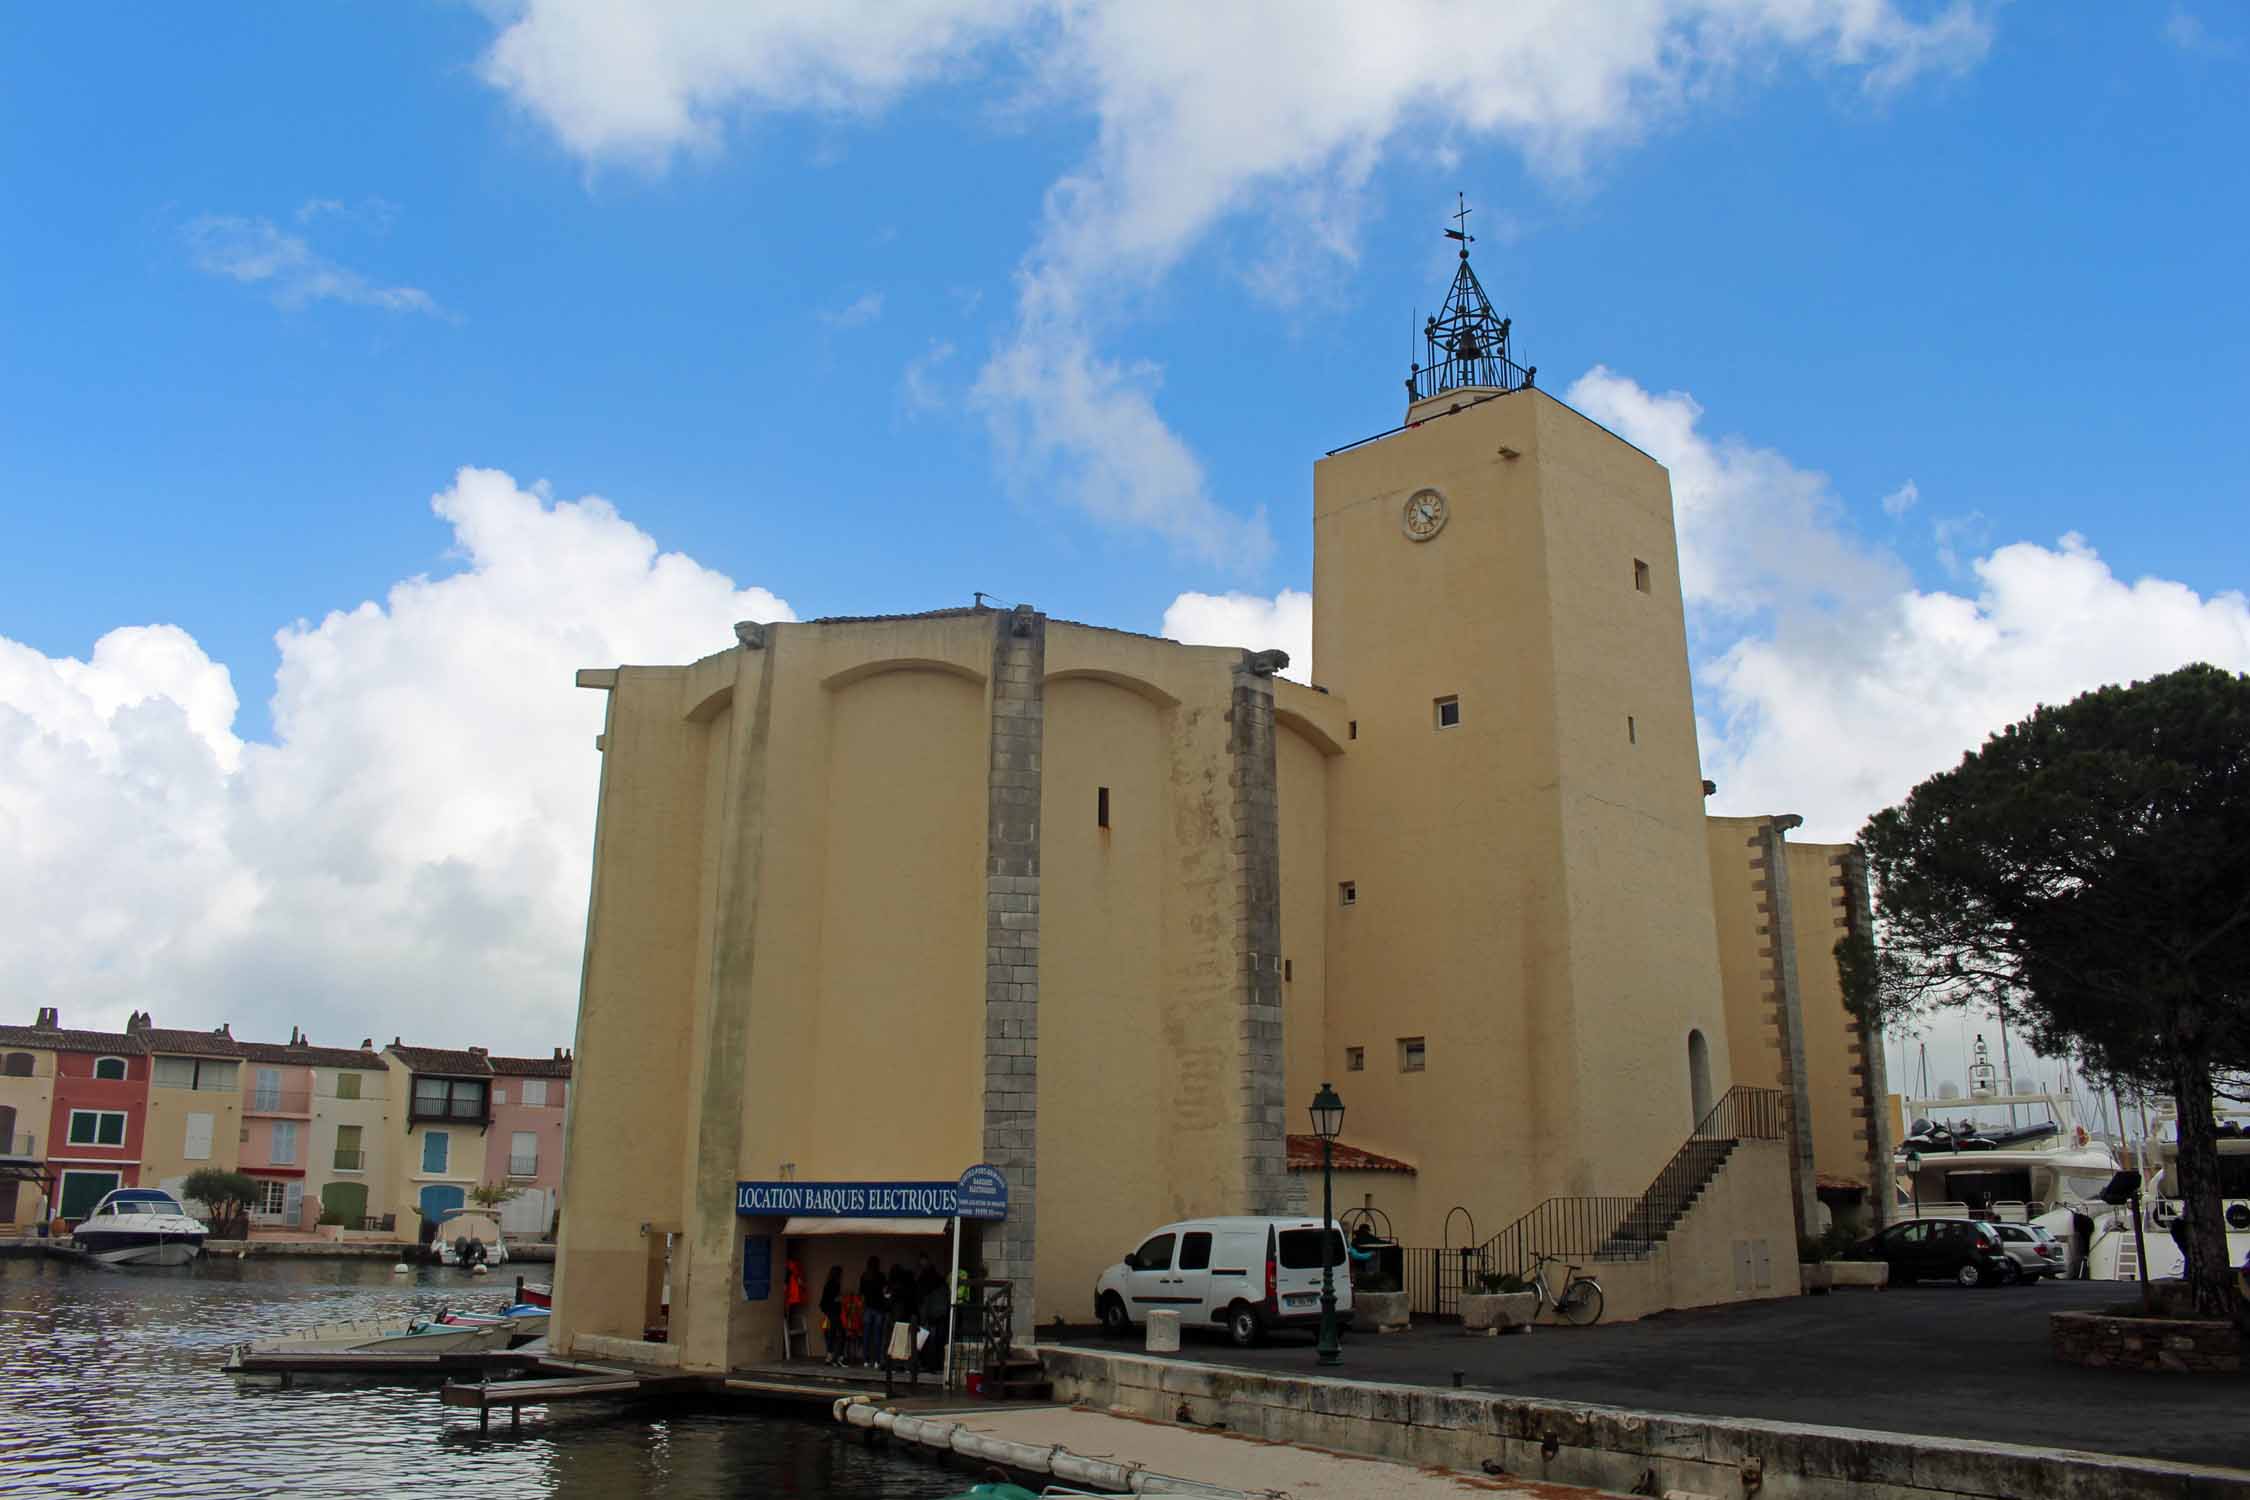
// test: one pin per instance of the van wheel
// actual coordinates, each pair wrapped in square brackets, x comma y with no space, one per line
[1243,1325]
[1115,1320]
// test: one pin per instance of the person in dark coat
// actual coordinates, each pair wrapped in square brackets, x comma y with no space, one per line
[875,1320]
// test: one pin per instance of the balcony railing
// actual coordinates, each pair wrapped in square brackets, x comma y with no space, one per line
[19,1145]
[523,1166]
[280,1102]
[457,1111]
[351,1161]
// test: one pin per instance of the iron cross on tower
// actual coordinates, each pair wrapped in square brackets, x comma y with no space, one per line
[1462,218]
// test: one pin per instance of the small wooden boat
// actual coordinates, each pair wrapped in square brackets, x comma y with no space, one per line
[376,1335]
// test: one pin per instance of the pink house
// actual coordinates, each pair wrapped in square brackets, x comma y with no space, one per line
[525,1144]
[277,1113]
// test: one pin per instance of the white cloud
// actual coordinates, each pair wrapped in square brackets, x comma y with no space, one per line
[1258,624]
[253,251]
[2186,31]
[864,309]
[1954,535]
[1901,500]
[410,853]
[1829,685]
[1199,112]
[918,381]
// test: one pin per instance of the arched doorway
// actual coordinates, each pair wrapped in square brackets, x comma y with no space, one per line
[1699,1076]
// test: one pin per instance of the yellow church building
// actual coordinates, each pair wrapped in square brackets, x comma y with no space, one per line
[880,900]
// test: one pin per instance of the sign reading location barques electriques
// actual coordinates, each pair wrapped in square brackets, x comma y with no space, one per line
[980,1193]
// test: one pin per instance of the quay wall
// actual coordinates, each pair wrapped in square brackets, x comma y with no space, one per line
[1614,1448]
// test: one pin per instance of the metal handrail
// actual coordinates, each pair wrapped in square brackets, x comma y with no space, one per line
[20,1145]
[523,1166]
[350,1161]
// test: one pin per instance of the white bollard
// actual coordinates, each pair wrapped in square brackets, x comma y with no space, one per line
[1163,1331]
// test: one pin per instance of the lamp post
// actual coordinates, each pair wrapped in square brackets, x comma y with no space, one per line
[1328,1123]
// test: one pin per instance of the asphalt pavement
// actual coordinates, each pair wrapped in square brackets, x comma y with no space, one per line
[1941,1360]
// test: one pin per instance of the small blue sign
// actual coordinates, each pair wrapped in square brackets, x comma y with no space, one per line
[757,1268]
[982,1193]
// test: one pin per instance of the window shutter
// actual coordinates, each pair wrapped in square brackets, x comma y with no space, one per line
[293,1203]
[198,1147]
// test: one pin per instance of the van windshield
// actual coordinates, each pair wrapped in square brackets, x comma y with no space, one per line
[1300,1249]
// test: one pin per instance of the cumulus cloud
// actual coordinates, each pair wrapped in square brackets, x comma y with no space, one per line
[1828,683]
[1198,112]
[408,855]
[253,251]
[1247,620]
[1901,500]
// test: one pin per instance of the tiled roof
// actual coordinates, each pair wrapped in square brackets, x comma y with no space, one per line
[927,614]
[112,1043]
[531,1067]
[305,1055]
[442,1060]
[1304,1156]
[188,1043]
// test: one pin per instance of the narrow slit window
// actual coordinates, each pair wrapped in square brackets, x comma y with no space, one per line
[1288,972]
[1101,807]
[1448,710]
[1632,731]
[1413,1054]
[1351,730]
[1347,893]
[1640,575]
[1355,1059]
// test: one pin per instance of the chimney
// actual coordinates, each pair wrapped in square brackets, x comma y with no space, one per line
[136,1023]
[226,1029]
[558,1054]
[479,1052]
[367,1044]
[50,1019]
[295,1040]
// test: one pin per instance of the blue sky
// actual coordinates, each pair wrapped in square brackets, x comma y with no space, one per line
[268,281]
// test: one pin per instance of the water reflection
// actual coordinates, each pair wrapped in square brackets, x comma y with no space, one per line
[110,1383]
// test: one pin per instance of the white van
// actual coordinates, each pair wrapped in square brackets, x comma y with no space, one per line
[1245,1274]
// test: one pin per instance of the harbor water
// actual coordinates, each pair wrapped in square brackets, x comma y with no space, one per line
[110,1385]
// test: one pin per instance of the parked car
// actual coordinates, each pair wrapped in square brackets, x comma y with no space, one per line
[1247,1275]
[2035,1252]
[1968,1251]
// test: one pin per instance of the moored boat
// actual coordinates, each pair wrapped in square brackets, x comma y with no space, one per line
[140,1227]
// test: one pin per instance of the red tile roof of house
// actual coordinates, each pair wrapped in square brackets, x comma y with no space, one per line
[188,1043]
[304,1054]
[55,1039]
[1304,1156]
[557,1066]
[474,1063]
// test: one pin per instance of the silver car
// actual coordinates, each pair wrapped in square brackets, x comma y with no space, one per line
[2035,1252]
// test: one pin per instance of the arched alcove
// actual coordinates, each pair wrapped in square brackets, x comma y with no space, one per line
[1699,1075]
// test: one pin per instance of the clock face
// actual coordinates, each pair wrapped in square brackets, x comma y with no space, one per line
[1424,516]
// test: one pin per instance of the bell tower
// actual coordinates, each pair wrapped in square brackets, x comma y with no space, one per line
[1521,938]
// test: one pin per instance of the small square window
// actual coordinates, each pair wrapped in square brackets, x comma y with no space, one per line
[1412,1052]
[1355,1059]
[1101,807]
[1640,575]
[1448,713]
[1347,893]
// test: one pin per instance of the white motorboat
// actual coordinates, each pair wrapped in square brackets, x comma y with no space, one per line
[140,1227]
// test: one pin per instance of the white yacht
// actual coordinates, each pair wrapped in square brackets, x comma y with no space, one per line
[140,1227]
[2017,1156]
[2116,1257]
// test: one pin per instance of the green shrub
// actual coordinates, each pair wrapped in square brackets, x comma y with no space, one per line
[1500,1283]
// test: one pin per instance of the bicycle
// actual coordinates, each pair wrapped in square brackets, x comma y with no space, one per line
[1581,1300]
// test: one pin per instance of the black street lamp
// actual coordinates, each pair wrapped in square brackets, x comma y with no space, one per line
[1328,1123]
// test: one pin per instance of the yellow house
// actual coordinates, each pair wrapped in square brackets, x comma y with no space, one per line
[27,1105]
[880,899]
[194,1103]
[437,1136]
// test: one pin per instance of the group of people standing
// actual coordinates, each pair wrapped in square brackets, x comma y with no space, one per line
[901,1316]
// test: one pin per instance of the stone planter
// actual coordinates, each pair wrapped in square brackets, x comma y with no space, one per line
[1380,1312]
[1497,1312]
[1829,1274]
